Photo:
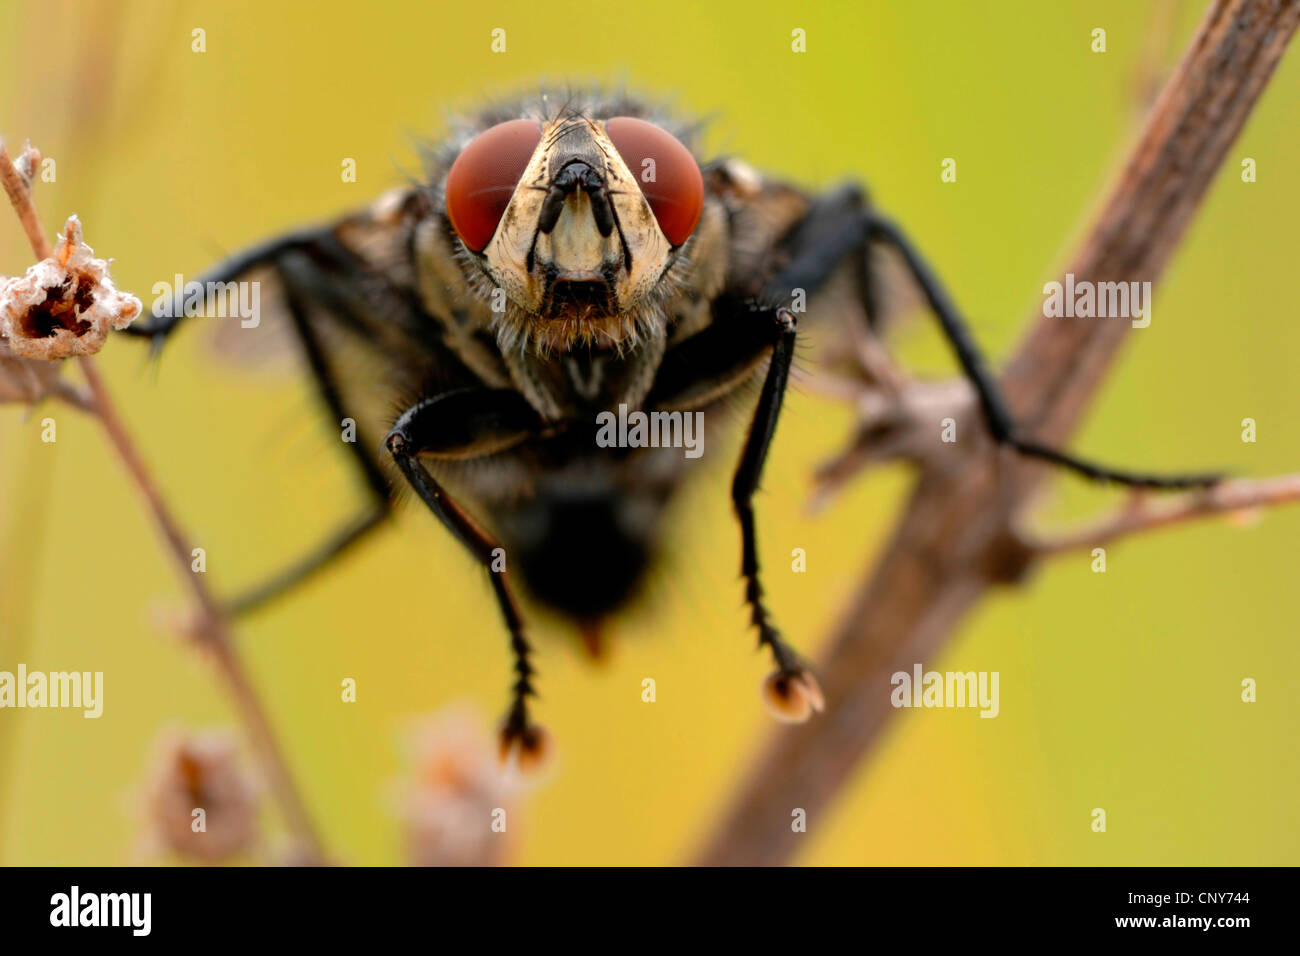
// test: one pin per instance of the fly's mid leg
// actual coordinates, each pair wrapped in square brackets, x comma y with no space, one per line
[739,337]
[790,692]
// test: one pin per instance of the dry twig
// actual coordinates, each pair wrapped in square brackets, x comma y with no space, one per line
[210,625]
[1146,514]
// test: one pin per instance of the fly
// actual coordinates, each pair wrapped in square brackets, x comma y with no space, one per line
[556,267]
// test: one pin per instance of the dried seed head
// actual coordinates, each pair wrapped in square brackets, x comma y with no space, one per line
[455,800]
[64,305]
[792,696]
[201,771]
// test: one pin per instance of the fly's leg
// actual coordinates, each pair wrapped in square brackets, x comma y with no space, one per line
[841,225]
[791,691]
[158,329]
[257,596]
[422,429]
[734,344]
[835,228]
[1001,424]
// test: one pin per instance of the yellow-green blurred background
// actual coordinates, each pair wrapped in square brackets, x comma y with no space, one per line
[1119,690]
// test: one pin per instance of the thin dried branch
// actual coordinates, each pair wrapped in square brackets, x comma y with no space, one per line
[17,182]
[1144,513]
[956,538]
[210,626]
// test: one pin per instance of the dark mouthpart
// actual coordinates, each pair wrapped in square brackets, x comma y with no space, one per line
[577,175]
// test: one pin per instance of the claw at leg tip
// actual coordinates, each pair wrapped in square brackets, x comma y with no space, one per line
[792,696]
[527,749]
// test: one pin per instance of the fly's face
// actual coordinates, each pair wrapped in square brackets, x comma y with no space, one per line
[577,221]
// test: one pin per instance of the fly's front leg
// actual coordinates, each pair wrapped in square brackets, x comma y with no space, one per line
[440,426]
[791,692]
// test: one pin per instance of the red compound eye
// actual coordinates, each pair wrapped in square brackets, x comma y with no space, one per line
[483,178]
[671,182]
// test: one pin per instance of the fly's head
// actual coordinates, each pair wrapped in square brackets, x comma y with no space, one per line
[574,227]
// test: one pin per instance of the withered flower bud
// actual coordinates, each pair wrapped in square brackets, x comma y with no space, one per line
[64,305]
[456,801]
[200,772]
